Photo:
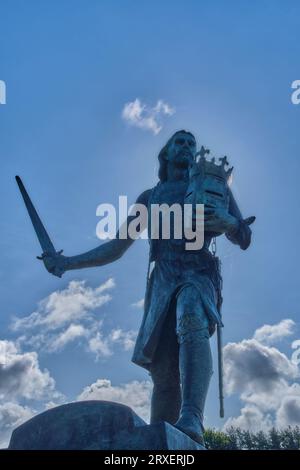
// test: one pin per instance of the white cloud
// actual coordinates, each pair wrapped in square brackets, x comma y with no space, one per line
[139,304]
[149,118]
[250,366]
[70,334]
[71,304]
[270,334]
[21,376]
[63,317]
[251,418]
[288,413]
[162,107]
[265,378]
[99,346]
[21,379]
[125,338]
[12,415]
[51,404]
[134,394]
[102,346]
[70,315]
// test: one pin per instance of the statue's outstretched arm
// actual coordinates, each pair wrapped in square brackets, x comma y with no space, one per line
[104,254]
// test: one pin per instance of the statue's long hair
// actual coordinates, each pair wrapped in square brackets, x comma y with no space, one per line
[162,171]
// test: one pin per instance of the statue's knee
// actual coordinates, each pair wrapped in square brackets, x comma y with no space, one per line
[192,321]
[192,336]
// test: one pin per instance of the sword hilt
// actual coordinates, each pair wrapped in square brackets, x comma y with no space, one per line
[43,255]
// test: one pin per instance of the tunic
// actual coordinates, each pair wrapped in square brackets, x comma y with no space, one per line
[174,268]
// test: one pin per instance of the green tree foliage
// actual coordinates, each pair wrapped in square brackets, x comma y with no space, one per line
[239,439]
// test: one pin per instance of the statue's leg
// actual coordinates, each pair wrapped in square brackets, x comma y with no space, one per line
[195,361]
[166,395]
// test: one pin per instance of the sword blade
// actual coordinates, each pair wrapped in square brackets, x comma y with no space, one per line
[43,237]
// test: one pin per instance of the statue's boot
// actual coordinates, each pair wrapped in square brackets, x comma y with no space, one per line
[195,365]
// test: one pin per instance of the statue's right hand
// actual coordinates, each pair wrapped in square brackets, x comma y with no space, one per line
[54,263]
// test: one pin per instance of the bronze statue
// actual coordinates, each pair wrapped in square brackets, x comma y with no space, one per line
[183,295]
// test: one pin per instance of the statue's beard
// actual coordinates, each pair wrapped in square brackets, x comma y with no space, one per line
[183,160]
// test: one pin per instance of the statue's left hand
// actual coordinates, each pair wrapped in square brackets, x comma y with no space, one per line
[219,220]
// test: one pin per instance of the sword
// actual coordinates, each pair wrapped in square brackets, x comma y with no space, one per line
[220,369]
[43,237]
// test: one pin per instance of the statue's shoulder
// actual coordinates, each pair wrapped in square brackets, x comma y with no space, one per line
[144,197]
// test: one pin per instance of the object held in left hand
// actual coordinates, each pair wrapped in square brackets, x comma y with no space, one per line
[219,220]
[209,185]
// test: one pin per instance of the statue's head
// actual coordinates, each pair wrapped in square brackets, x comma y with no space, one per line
[180,150]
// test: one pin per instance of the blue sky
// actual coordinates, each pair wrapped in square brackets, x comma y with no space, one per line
[70,67]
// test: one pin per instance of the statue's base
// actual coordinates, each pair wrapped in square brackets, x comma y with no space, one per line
[97,425]
[161,436]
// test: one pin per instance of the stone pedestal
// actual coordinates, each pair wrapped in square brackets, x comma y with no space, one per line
[97,425]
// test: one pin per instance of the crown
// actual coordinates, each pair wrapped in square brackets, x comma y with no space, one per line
[209,167]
